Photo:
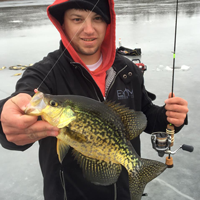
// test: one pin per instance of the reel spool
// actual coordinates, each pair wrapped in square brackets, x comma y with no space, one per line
[161,142]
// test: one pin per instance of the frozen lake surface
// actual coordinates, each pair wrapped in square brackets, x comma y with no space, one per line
[26,36]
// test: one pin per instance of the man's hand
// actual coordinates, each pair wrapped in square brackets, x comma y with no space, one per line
[177,109]
[20,128]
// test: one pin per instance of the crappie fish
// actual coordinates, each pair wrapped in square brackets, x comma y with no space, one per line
[100,134]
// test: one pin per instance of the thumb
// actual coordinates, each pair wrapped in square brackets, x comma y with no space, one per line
[21,100]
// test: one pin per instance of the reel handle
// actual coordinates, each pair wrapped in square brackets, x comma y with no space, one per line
[186,147]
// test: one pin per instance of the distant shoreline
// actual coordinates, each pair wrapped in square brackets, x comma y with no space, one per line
[7,0]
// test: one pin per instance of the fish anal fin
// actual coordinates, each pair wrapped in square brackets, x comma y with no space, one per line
[134,121]
[138,179]
[96,171]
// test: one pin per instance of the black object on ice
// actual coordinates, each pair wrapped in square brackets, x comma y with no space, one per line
[129,52]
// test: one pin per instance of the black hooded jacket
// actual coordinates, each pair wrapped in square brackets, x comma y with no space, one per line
[124,85]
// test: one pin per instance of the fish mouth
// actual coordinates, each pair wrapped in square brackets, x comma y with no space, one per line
[36,105]
[31,110]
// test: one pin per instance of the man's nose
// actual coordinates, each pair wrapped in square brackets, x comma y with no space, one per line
[88,27]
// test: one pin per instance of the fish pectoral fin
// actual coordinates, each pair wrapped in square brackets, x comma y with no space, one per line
[138,179]
[62,147]
[134,121]
[96,171]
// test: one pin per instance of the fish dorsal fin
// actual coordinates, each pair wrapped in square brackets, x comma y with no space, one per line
[96,171]
[62,147]
[134,121]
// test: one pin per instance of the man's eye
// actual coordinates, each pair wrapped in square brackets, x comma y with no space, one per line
[76,19]
[99,18]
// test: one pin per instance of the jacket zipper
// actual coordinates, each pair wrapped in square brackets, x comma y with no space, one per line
[114,80]
[62,179]
[83,68]
[112,83]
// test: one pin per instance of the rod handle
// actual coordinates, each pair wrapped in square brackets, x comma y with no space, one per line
[169,162]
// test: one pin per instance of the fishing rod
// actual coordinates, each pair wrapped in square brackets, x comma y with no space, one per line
[163,141]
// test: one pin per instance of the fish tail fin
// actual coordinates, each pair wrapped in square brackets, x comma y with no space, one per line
[147,171]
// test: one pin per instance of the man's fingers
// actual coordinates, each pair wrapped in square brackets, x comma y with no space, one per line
[36,132]
[176,108]
[175,122]
[21,122]
[176,115]
[176,100]
[42,129]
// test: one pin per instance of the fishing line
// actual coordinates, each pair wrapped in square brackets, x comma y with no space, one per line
[36,90]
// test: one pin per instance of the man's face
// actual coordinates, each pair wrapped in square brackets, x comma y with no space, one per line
[85,31]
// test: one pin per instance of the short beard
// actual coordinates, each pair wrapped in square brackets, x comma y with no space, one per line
[83,52]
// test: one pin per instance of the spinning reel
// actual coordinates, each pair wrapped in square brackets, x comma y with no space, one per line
[163,141]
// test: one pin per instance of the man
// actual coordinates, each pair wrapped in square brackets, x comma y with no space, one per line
[86,64]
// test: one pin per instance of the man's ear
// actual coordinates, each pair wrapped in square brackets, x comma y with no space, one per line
[63,27]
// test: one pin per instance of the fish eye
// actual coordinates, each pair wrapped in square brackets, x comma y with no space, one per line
[53,103]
